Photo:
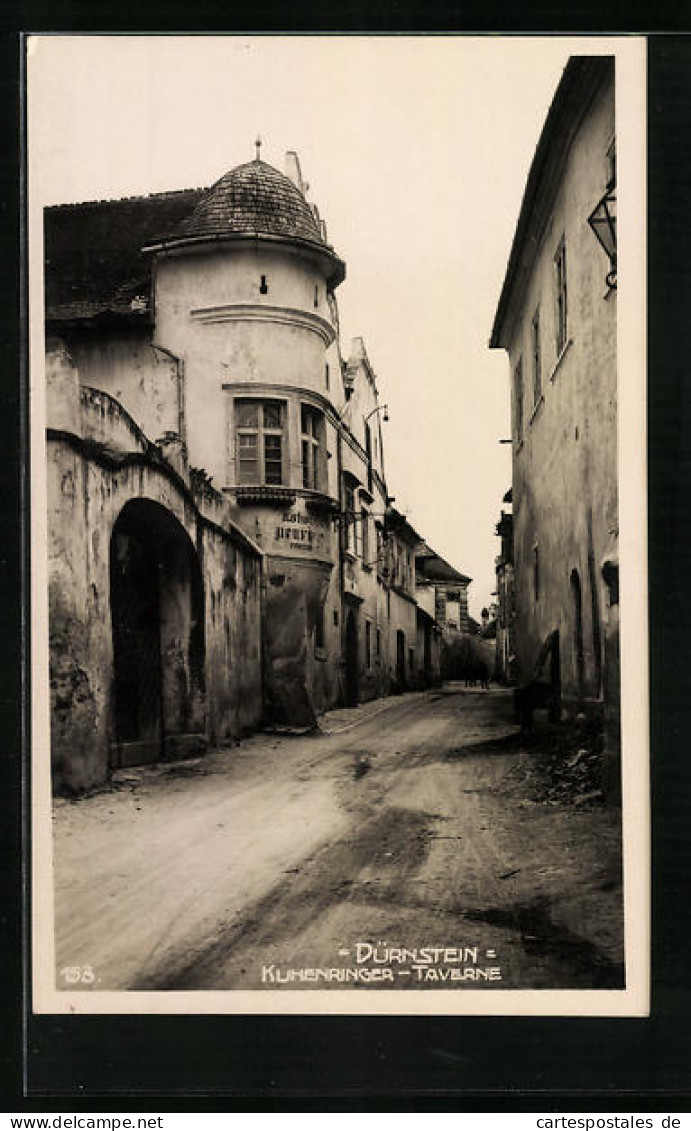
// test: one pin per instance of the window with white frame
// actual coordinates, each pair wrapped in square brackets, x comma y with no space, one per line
[349,517]
[259,433]
[312,423]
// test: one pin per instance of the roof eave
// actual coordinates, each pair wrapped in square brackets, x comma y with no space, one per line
[583,74]
[174,243]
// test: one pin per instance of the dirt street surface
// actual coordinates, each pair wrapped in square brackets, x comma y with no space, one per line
[409,825]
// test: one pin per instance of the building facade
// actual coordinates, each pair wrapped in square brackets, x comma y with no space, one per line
[154,593]
[235,557]
[556,319]
[505,659]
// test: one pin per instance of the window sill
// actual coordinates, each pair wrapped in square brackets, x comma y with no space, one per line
[271,496]
[562,355]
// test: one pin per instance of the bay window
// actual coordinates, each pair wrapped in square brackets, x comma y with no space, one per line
[312,423]
[349,517]
[259,432]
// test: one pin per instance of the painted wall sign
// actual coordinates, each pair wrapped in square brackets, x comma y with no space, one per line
[296,531]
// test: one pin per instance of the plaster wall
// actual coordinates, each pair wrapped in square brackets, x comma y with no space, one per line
[564,467]
[402,617]
[298,684]
[143,379]
[361,405]
[89,484]
[211,312]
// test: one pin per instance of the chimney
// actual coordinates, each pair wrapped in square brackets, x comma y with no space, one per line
[293,171]
[357,350]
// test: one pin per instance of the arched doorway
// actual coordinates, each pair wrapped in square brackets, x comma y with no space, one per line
[157,613]
[352,660]
[579,651]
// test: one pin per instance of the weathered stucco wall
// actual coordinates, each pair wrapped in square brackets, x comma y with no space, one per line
[211,312]
[143,379]
[90,486]
[402,618]
[295,593]
[565,471]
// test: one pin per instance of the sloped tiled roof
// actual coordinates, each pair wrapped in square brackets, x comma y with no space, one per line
[582,77]
[93,259]
[431,567]
[253,198]
[95,265]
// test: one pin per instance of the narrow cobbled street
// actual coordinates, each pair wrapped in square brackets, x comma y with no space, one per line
[407,824]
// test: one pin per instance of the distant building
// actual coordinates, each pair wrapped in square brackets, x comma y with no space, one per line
[557,320]
[222,547]
[455,625]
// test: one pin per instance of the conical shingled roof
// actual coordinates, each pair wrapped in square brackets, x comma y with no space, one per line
[253,198]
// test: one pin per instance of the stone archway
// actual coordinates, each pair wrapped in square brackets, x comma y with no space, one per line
[157,617]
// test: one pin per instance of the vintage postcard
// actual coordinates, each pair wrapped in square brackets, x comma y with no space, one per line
[338,496]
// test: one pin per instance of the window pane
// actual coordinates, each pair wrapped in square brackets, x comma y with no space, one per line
[306,477]
[310,422]
[247,444]
[272,459]
[247,414]
[248,471]
[273,416]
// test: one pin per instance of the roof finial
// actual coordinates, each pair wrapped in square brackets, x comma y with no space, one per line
[258,144]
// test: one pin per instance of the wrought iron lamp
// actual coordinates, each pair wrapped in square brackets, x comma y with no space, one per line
[603,221]
[380,408]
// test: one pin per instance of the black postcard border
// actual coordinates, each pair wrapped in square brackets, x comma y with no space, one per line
[162,1062]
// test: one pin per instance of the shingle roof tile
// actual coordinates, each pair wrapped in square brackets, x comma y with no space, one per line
[94,263]
[252,198]
[93,259]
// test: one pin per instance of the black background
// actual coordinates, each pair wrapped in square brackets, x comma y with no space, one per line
[423,1063]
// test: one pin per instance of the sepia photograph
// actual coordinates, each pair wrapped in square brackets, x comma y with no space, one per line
[337,410]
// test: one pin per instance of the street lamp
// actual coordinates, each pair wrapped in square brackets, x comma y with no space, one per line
[603,221]
[380,408]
